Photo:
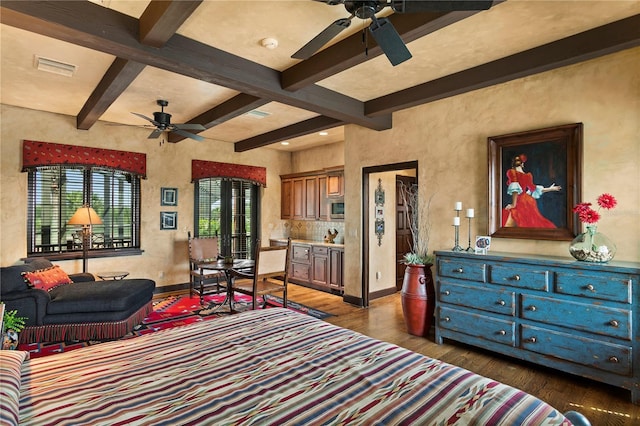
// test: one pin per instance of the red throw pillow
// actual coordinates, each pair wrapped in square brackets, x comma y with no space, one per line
[47,279]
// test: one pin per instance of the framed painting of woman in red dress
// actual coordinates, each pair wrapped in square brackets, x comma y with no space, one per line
[534,181]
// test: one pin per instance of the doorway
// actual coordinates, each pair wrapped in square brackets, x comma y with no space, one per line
[368,217]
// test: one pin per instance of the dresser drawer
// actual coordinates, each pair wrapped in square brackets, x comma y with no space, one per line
[462,269]
[491,300]
[481,326]
[320,250]
[592,353]
[301,253]
[614,287]
[580,316]
[300,271]
[520,276]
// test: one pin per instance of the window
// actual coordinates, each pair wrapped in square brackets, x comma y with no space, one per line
[228,209]
[56,192]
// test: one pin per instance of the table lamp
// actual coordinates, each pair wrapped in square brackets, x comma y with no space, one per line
[85,216]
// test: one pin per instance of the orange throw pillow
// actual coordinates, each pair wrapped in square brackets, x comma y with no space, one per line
[47,279]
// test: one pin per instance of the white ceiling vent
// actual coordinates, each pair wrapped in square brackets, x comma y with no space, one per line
[53,66]
[256,113]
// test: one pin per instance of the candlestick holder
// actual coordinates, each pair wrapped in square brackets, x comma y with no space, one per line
[457,247]
[469,248]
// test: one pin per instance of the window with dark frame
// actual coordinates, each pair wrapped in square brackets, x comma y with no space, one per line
[56,192]
[228,209]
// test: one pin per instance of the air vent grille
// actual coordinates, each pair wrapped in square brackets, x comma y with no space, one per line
[256,113]
[53,66]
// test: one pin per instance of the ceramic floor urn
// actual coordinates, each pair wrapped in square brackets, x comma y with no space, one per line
[418,299]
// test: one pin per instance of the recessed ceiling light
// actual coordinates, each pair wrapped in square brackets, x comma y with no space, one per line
[323,133]
[284,143]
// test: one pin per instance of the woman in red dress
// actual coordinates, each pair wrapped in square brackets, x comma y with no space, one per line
[523,210]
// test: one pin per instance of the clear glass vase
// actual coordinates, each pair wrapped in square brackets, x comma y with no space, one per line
[592,246]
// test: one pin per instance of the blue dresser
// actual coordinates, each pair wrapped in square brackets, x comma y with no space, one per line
[578,317]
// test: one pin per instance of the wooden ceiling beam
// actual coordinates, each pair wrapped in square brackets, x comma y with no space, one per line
[351,52]
[159,22]
[105,30]
[302,128]
[600,41]
[234,107]
[115,81]
[162,18]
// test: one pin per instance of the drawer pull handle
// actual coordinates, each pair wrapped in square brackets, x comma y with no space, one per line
[614,323]
[501,302]
[531,340]
[614,359]
[446,292]
[515,278]
[458,270]
[532,308]
[502,332]
[591,288]
[447,319]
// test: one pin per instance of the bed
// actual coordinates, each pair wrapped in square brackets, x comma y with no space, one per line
[263,367]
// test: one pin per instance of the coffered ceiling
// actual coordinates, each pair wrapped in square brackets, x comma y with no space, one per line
[207,60]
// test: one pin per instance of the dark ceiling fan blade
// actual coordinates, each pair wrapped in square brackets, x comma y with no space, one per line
[155,134]
[389,41]
[413,6]
[188,135]
[189,126]
[146,118]
[323,38]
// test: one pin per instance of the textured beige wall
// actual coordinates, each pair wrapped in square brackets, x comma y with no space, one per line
[318,158]
[449,140]
[165,252]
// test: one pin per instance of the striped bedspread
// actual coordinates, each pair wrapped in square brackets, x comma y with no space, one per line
[264,367]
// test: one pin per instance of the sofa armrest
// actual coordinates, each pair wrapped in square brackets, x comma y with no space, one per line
[82,277]
[31,303]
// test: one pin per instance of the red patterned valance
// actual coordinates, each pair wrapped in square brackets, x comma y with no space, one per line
[36,154]
[208,169]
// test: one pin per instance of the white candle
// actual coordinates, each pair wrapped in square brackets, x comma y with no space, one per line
[458,206]
[456,221]
[469,212]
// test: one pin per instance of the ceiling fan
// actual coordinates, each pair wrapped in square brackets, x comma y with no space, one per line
[162,121]
[381,28]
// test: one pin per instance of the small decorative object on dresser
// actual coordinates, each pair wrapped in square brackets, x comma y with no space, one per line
[580,318]
[592,246]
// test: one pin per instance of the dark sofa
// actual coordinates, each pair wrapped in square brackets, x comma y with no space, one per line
[84,310]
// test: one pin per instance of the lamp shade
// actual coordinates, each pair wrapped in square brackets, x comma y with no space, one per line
[85,215]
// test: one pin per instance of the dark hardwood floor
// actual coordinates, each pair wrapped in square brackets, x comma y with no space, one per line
[604,405]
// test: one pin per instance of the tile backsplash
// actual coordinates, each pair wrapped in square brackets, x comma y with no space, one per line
[308,230]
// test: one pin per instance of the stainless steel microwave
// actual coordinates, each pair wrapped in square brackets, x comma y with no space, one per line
[336,209]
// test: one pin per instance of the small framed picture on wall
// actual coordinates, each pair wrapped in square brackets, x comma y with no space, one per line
[168,221]
[168,196]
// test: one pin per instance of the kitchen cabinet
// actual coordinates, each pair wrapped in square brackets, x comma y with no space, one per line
[286,206]
[335,185]
[317,266]
[307,197]
[577,317]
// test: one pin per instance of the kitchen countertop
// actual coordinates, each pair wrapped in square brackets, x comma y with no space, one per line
[310,242]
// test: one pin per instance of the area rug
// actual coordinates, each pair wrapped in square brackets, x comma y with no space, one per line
[174,311]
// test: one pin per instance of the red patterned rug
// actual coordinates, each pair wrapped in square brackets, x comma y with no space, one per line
[174,311]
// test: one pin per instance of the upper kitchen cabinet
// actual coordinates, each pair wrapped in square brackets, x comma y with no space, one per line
[307,196]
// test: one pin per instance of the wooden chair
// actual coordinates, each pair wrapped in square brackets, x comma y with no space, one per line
[202,251]
[269,276]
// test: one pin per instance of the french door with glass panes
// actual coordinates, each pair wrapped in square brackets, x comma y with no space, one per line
[228,209]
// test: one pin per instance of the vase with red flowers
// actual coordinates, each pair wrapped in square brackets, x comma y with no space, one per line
[593,246]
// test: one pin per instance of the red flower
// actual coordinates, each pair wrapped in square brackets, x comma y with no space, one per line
[607,201]
[588,215]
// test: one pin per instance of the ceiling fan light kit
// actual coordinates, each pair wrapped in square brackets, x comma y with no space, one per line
[381,29]
[162,121]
